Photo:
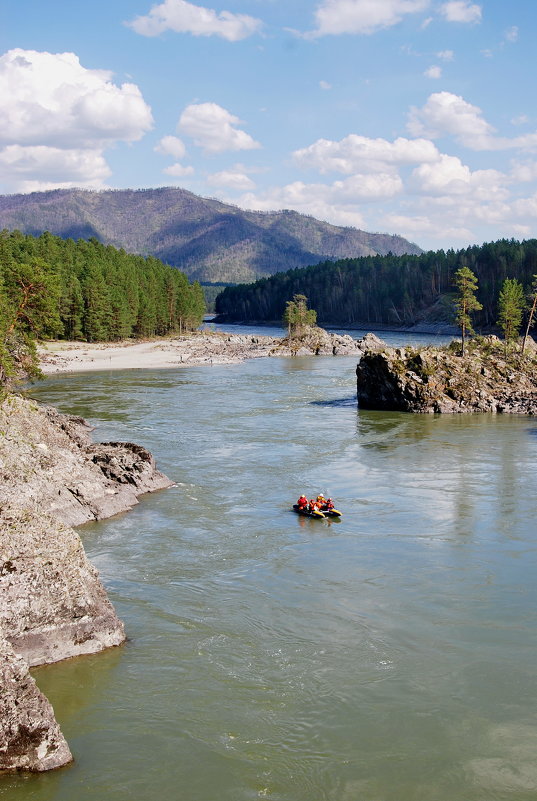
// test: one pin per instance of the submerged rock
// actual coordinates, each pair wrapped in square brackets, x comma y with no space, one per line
[30,738]
[440,380]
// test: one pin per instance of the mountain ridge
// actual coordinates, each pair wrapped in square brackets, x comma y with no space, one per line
[208,239]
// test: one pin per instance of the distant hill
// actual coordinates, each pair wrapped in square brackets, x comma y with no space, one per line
[209,240]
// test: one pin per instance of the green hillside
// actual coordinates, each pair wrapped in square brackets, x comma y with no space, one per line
[210,241]
[395,290]
[94,292]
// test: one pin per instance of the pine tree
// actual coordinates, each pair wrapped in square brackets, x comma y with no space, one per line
[297,317]
[532,310]
[466,302]
[510,308]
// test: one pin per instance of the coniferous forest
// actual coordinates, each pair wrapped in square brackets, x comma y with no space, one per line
[95,292]
[396,290]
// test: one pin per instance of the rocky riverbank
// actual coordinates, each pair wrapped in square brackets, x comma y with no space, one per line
[488,378]
[202,348]
[52,604]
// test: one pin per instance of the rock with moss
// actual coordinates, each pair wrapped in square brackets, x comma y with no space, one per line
[489,378]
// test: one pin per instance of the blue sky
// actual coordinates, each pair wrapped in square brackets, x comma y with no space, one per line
[415,117]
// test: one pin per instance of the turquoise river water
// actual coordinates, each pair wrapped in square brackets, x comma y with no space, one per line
[388,656]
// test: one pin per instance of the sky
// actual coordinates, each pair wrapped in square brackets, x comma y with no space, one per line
[410,117]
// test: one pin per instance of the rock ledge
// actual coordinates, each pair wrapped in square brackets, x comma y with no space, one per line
[440,380]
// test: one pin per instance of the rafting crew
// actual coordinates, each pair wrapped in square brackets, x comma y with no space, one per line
[319,504]
[302,502]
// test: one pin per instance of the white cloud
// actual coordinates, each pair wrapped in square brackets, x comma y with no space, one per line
[38,167]
[178,170]
[511,35]
[362,16]
[232,179]
[446,114]
[522,119]
[434,72]
[449,176]
[182,17]
[171,146]
[336,202]
[325,85]
[523,172]
[50,101]
[446,55]
[461,11]
[214,129]
[359,154]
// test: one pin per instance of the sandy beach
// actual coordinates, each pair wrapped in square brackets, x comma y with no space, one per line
[207,349]
[186,351]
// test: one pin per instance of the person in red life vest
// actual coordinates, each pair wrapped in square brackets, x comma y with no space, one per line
[329,504]
[302,502]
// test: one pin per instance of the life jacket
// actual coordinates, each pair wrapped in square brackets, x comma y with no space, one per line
[302,502]
[329,504]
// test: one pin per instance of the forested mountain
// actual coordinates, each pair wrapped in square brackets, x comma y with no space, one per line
[85,290]
[400,290]
[209,240]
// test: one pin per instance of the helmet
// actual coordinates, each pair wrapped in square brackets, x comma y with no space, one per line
[320,495]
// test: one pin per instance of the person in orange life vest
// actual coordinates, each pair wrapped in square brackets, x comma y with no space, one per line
[320,500]
[302,502]
[313,505]
[329,504]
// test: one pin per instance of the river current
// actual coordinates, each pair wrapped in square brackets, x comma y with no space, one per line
[387,656]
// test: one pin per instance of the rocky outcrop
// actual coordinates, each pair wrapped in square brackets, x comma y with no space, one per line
[52,603]
[30,738]
[49,463]
[318,342]
[439,380]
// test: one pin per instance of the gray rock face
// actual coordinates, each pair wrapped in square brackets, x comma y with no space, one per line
[49,463]
[30,738]
[52,604]
[318,342]
[439,380]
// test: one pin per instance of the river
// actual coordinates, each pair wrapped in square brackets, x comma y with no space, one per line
[388,656]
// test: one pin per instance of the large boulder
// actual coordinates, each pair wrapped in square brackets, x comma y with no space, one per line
[488,378]
[52,604]
[30,738]
[49,463]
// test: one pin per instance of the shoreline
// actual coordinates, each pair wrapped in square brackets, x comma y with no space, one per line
[203,348]
[58,356]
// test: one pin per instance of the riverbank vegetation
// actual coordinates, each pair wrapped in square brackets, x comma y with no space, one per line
[394,290]
[50,287]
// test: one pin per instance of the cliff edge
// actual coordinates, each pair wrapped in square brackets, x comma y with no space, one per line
[489,378]
[52,603]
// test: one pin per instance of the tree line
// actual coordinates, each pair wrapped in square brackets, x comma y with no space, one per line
[397,290]
[84,290]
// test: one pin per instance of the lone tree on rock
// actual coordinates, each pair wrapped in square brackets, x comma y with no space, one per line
[297,317]
[531,313]
[510,308]
[466,302]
